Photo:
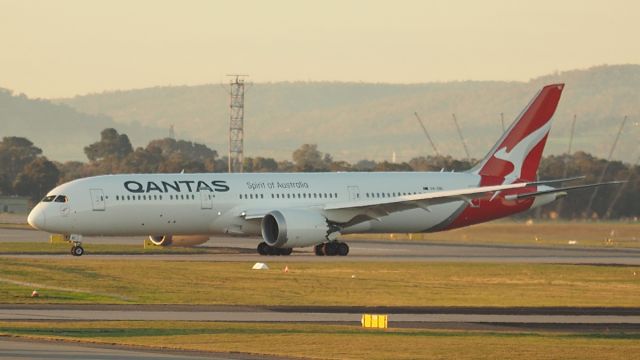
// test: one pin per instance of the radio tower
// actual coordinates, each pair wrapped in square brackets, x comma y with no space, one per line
[236,123]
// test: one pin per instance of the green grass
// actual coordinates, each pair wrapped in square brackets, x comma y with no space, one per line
[86,280]
[335,341]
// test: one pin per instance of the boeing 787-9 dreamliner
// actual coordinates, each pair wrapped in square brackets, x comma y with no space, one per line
[290,210]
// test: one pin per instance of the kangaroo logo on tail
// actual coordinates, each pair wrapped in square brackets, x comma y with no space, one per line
[517,154]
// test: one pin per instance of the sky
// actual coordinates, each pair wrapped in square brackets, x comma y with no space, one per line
[64,48]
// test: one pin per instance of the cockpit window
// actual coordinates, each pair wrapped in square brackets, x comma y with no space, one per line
[61,198]
[48,198]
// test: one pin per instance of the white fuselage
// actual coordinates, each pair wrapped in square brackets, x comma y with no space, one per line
[213,203]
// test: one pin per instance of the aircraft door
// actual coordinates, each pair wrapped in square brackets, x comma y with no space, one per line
[206,199]
[354,193]
[97,199]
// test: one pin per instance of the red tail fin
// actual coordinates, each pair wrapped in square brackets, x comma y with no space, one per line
[517,154]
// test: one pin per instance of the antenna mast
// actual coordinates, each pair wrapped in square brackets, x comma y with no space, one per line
[236,123]
[435,150]
[566,161]
[606,167]
[464,143]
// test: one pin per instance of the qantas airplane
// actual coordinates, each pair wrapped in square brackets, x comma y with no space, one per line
[292,210]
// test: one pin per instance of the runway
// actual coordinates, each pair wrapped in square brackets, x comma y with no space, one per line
[323,314]
[243,249]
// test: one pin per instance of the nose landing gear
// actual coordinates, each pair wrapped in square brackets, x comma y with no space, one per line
[77,250]
[76,245]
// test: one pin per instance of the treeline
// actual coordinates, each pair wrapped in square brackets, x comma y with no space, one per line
[25,171]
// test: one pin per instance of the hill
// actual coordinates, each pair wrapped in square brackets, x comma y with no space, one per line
[354,121]
[59,130]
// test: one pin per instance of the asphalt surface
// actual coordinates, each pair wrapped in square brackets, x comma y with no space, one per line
[21,349]
[242,249]
[362,250]
[274,315]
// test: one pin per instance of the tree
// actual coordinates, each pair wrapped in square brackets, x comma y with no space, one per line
[37,178]
[189,150]
[111,144]
[260,164]
[308,158]
[15,154]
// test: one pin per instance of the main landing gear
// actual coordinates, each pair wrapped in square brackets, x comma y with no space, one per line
[265,249]
[332,248]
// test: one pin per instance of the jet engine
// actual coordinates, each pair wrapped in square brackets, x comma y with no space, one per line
[178,240]
[294,228]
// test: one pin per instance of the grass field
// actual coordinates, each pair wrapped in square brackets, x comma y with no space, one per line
[337,341]
[86,280]
[602,234]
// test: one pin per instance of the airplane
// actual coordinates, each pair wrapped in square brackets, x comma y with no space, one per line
[292,210]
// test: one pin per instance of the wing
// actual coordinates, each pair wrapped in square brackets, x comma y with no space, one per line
[375,208]
[557,190]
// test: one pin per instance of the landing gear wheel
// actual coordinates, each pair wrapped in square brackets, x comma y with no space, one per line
[263,248]
[319,249]
[273,251]
[331,248]
[343,249]
[286,251]
[77,250]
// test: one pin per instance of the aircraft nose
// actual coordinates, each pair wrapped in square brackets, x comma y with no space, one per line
[36,218]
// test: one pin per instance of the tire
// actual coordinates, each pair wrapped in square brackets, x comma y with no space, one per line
[343,249]
[263,248]
[286,251]
[271,251]
[331,249]
[77,250]
[319,249]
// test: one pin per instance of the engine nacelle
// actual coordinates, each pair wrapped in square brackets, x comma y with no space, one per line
[294,228]
[178,240]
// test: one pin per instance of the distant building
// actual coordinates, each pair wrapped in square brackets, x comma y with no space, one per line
[14,204]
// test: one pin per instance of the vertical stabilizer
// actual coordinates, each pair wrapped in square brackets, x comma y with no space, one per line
[517,154]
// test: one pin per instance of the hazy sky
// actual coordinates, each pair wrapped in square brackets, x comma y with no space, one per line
[64,48]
